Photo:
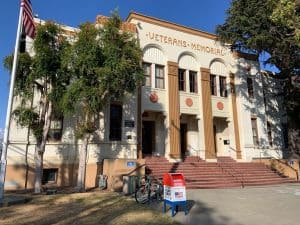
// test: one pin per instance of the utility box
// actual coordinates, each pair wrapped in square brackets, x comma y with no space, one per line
[129,184]
[174,191]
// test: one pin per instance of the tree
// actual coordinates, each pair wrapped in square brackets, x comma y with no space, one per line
[45,76]
[272,27]
[107,64]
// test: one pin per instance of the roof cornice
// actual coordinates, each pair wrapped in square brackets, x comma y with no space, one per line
[170,25]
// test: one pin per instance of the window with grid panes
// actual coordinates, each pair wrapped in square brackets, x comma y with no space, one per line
[223,91]
[193,81]
[269,130]
[147,74]
[181,79]
[254,131]
[56,128]
[159,77]
[115,129]
[213,84]
[250,88]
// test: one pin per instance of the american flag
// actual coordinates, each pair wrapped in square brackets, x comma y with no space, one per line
[178,194]
[28,23]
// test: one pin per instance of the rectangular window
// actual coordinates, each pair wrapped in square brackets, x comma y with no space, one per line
[159,77]
[223,90]
[254,131]
[250,88]
[193,81]
[181,79]
[56,129]
[49,176]
[285,134]
[115,129]
[147,74]
[213,84]
[269,129]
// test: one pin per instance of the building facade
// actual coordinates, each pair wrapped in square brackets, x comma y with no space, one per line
[198,99]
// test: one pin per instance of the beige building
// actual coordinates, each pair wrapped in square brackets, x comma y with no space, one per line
[199,99]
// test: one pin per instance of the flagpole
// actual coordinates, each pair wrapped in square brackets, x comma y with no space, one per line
[9,108]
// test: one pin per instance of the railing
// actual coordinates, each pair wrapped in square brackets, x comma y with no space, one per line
[286,165]
[235,174]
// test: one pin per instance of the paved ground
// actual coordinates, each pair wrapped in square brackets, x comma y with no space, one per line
[268,205]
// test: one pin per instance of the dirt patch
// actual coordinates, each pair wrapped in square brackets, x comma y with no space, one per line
[83,208]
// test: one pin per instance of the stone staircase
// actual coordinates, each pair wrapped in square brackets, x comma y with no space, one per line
[225,173]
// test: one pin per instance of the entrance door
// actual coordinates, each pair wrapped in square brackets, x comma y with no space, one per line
[183,139]
[148,137]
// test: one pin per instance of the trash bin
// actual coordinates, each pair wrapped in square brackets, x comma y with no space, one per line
[129,184]
[102,182]
[174,191]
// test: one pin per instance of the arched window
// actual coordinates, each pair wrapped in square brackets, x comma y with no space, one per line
[154,67]
[218,79]
[187,73]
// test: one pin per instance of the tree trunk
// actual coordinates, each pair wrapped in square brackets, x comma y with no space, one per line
[40,148]
[82,163]
[38,160]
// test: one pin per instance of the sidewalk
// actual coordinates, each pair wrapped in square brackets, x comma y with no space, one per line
[268,205]
[13,200]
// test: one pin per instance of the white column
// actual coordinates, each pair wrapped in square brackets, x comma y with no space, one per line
[201,145]
[166,134]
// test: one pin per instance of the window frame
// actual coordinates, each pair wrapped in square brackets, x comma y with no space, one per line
[254,131]
[46,181]
[250,88]
[269,132]
[181,81]
[284,127]
[55,134]
[113,134]
[223,87]
[149,76]
[193,81]
[159,78]
[213,84]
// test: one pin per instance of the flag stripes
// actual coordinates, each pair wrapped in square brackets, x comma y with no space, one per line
[28,22]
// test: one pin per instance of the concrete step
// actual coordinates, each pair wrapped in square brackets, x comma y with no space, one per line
[225,173]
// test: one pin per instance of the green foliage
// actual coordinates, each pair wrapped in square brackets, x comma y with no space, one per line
[83,128]
[106,64]
[266,26]
[269,26]
[49,64]
[286,14]
[23,86]
[255,25]
[122,53]
[46,72]
[28,117]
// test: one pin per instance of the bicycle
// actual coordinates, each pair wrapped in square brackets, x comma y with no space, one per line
[148,188]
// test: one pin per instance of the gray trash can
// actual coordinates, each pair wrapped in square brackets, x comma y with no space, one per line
[102,182]
[128,184]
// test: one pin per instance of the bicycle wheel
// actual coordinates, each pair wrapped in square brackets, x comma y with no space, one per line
[156,190]
[142,194]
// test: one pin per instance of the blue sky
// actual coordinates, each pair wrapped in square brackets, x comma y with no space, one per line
[203,15]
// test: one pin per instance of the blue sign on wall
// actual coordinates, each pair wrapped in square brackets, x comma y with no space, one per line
[130,164]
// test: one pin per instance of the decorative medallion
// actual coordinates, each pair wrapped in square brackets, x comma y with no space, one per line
[189,102]
[153,97]
[220,106]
